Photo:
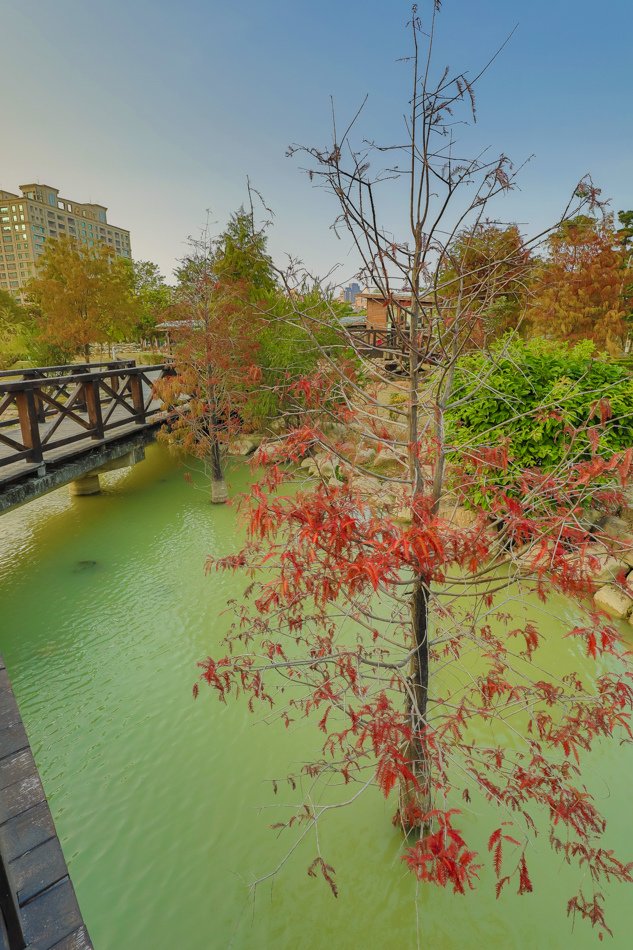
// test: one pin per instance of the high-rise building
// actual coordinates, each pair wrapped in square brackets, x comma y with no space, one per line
[38,215]
[349,293]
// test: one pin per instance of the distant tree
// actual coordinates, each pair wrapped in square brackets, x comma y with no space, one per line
[154,297]
[15,322]
[218,298]
[238,254]
[578,289]
[291,345]
[83,295]
[625,236]
[487,269]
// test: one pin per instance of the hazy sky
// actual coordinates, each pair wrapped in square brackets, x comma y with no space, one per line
[159,109]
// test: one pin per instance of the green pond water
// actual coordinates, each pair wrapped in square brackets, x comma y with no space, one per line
[163,804]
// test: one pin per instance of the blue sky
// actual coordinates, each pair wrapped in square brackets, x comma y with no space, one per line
[160,109]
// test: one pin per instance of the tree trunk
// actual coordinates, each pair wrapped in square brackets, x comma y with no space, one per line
[87,352]
[415,794]
[219,494]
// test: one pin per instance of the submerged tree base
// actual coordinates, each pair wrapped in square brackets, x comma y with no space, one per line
[219,493]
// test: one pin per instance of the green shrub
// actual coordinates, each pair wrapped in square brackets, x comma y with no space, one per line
[540,399]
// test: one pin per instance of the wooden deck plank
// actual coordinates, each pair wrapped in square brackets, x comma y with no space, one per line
[26,832]
[78,940]
[38,870]
[13,738]
[51,916]
[15,767]
[37,890]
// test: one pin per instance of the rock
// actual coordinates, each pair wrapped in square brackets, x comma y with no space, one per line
[325,466]
[608,568]
[612,527]
[457,515]
[244,444]
[627,516]
[613,601]
[365,456]
[403,515]
[391,396]
[366,485]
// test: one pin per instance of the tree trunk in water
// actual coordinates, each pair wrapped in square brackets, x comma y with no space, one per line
[219,494]
[415,794]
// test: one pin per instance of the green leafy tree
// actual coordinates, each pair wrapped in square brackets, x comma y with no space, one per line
[15,324]
[154,297]
[237,255]
[625,235]
[297,331]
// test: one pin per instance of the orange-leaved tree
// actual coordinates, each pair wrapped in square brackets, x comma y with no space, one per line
[84,295]
[578,289]
[216,342]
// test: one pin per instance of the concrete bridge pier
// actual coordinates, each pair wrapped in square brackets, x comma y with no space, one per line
[89,483]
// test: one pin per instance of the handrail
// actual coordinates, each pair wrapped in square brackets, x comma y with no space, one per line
[81,377]
[38,372]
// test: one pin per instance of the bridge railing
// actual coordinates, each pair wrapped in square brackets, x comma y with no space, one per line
[63,369]
[55,387]
[39,416]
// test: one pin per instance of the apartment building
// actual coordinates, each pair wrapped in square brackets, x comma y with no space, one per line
[38,215]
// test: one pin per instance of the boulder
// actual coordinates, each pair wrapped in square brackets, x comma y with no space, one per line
[365,456]
[608,568]
[613,601]
[616,528]
[366,485]
[457,515]
[244,444]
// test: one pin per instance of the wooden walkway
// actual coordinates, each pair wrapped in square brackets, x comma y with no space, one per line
[38,906]
[49,418]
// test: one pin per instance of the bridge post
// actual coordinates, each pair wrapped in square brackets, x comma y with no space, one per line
[136,389]
[29,424]
[90,391]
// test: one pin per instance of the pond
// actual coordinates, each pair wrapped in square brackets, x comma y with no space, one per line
[163,804]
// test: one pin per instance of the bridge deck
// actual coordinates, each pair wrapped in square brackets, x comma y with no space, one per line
[18,469]
[38,906]
[68,428]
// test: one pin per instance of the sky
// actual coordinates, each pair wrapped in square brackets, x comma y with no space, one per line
[160,109]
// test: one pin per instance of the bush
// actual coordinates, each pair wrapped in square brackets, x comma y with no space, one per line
[546,402]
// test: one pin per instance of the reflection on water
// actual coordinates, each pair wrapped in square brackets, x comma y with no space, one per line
[163,804]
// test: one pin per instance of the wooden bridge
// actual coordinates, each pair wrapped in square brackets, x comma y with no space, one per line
[391,344]
[59,423]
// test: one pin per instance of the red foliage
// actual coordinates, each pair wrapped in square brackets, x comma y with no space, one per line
[443,857]
[325,633]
